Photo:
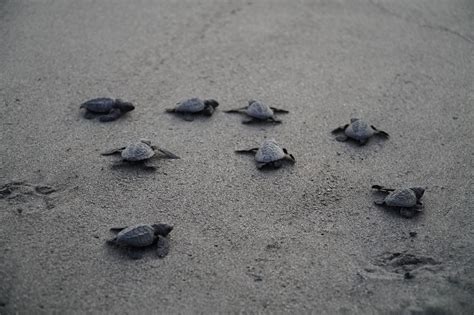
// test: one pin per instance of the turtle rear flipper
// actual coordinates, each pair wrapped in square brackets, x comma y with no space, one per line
[170,110]
[113,115]
[379,202]
[162,246]
[253,151]
[380,132]
[113,151]
[278,110]
[168,154]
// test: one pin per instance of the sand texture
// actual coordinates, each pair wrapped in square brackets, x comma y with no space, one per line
[306,237]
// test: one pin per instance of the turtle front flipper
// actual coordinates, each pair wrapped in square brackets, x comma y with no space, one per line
[167,154]
[407,212]
[236,110]
[118,229]
[276,164]
[274,120]
[382,188]
[147,166]
[248,121]
[362,142]
[89,115]
[253,151]
[162,246]
[113,151]
[379,202]
[279,110]
[112,242]
[134,253]
[380,132]
[341,138]
[114,114]
[340,128]
[208,110]
[188,117]
[170,110]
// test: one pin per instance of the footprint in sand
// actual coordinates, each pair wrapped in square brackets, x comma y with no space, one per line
[28,196]
[404,264]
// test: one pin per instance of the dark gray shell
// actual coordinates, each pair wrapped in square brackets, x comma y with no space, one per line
[259,110]
[137,152]
[269,151]
[192,105]
[359,130]
[401,198]
[136,236]
[99,105]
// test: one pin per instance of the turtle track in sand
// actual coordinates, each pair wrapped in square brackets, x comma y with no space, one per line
[24,194]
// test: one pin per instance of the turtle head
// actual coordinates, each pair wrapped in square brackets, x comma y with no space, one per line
[419,191]
[124,106]
[252,101]
[162,229]
[212,103]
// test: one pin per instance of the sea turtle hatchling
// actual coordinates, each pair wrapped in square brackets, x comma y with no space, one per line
[106,108]
[358,130]
[270,154]
[193,106]
[140,152]
[406,199]
[258,111]
[140,236]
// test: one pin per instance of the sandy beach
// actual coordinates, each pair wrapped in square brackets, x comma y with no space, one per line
[303,238]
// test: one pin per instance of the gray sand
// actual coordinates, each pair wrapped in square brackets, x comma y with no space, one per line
[305,237]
